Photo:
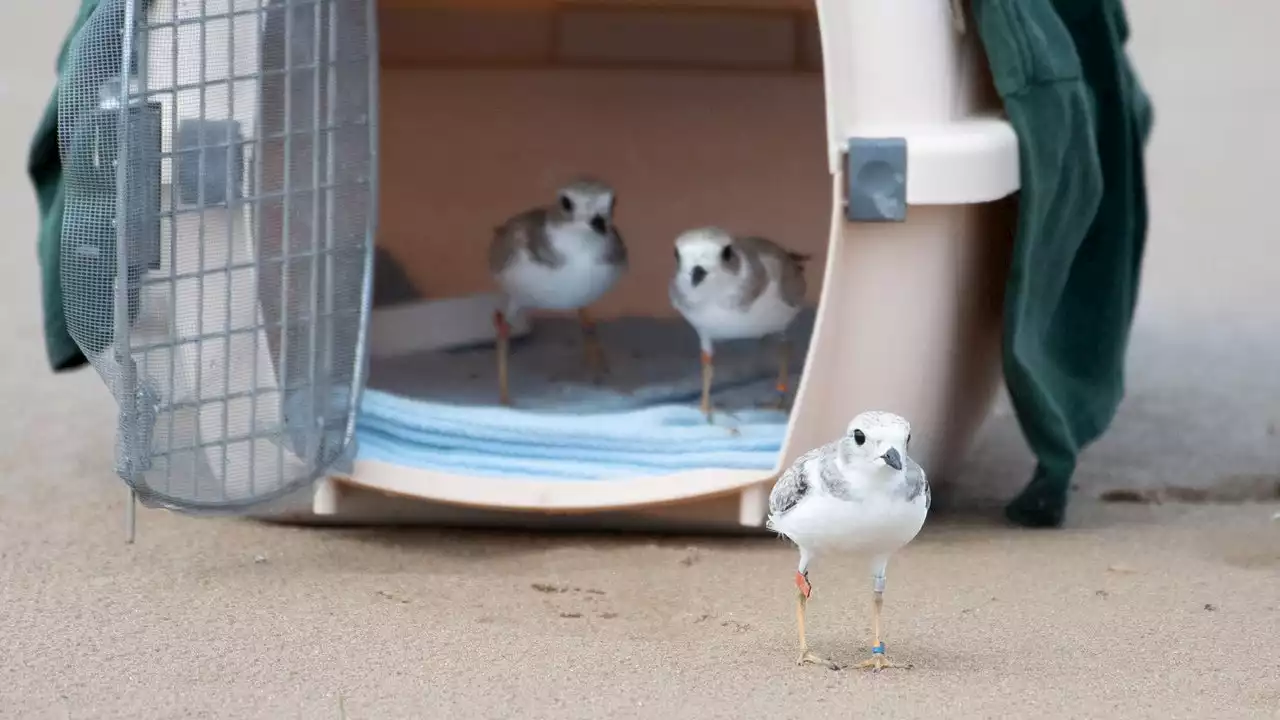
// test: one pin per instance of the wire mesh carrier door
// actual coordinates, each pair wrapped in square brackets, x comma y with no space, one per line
[220,166]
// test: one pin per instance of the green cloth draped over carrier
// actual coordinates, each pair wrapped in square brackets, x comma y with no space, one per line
[1082,120]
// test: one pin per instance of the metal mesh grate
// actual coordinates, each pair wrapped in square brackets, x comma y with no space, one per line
[220,165]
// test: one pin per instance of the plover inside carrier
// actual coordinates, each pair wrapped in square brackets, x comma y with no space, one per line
[732,288]
[563,256]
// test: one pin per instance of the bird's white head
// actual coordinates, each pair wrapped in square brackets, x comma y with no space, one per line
[877,438]
[706,261]
[587,202]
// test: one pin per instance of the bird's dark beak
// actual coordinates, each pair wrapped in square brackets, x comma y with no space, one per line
[599,224]
[697,275]
[892,459]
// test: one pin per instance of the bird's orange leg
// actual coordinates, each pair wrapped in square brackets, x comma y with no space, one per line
[807,657]
[504,346]
[708,371]
[784,374]
[591,347]
[783,385]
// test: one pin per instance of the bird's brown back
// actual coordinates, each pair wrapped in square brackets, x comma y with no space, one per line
[791,280]
[527,231]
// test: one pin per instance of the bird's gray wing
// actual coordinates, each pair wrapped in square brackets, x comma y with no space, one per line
[793,485]
[502,249]
[788,491]
[797,482]
[916,483]
[791,282]
[539,242]
[528,230]
[750,248]
[616,251]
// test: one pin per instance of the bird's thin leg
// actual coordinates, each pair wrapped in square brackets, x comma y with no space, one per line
[591,347]
[878,661]
[503,330]
[782,387]
[784,375]
[708,371]
[807,657]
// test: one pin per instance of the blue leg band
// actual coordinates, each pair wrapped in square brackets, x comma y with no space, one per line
[878,649]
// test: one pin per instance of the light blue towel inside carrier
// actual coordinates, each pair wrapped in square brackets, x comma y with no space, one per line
[439,410]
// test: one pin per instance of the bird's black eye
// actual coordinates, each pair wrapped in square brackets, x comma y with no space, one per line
[859,437]
[677,254]
[908,438]
[726,254]
[566,203]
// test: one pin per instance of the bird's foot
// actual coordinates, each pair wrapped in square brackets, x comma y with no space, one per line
[710,412]
[808,658]
[878,661]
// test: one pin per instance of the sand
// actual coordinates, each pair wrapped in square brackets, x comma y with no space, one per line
[1130,611]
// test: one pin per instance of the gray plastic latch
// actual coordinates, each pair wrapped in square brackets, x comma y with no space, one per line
[875,172]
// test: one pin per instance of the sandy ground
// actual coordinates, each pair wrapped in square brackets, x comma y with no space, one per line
[1160,611]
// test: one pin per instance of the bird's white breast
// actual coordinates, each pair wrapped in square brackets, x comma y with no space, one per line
[877,521]
[875,525]
[722,320]
[579,282]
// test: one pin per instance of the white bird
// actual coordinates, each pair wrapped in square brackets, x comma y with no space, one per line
[860,494]
[558,257]
[732,288]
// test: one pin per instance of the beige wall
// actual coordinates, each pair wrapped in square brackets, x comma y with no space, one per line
[1213,165]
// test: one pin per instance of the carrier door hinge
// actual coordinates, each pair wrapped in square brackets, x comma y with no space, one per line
[875,180]
[138,412]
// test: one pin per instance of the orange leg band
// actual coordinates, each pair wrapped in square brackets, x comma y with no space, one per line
[802,583]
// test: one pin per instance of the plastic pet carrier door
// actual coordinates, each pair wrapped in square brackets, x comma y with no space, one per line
[220,167]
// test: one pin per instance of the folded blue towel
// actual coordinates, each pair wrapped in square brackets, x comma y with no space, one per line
[643,420]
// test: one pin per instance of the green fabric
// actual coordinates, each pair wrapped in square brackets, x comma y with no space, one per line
[1082,120]
[44,167]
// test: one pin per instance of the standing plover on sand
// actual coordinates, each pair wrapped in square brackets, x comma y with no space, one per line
[563,256]
[860,494]
[732,288]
